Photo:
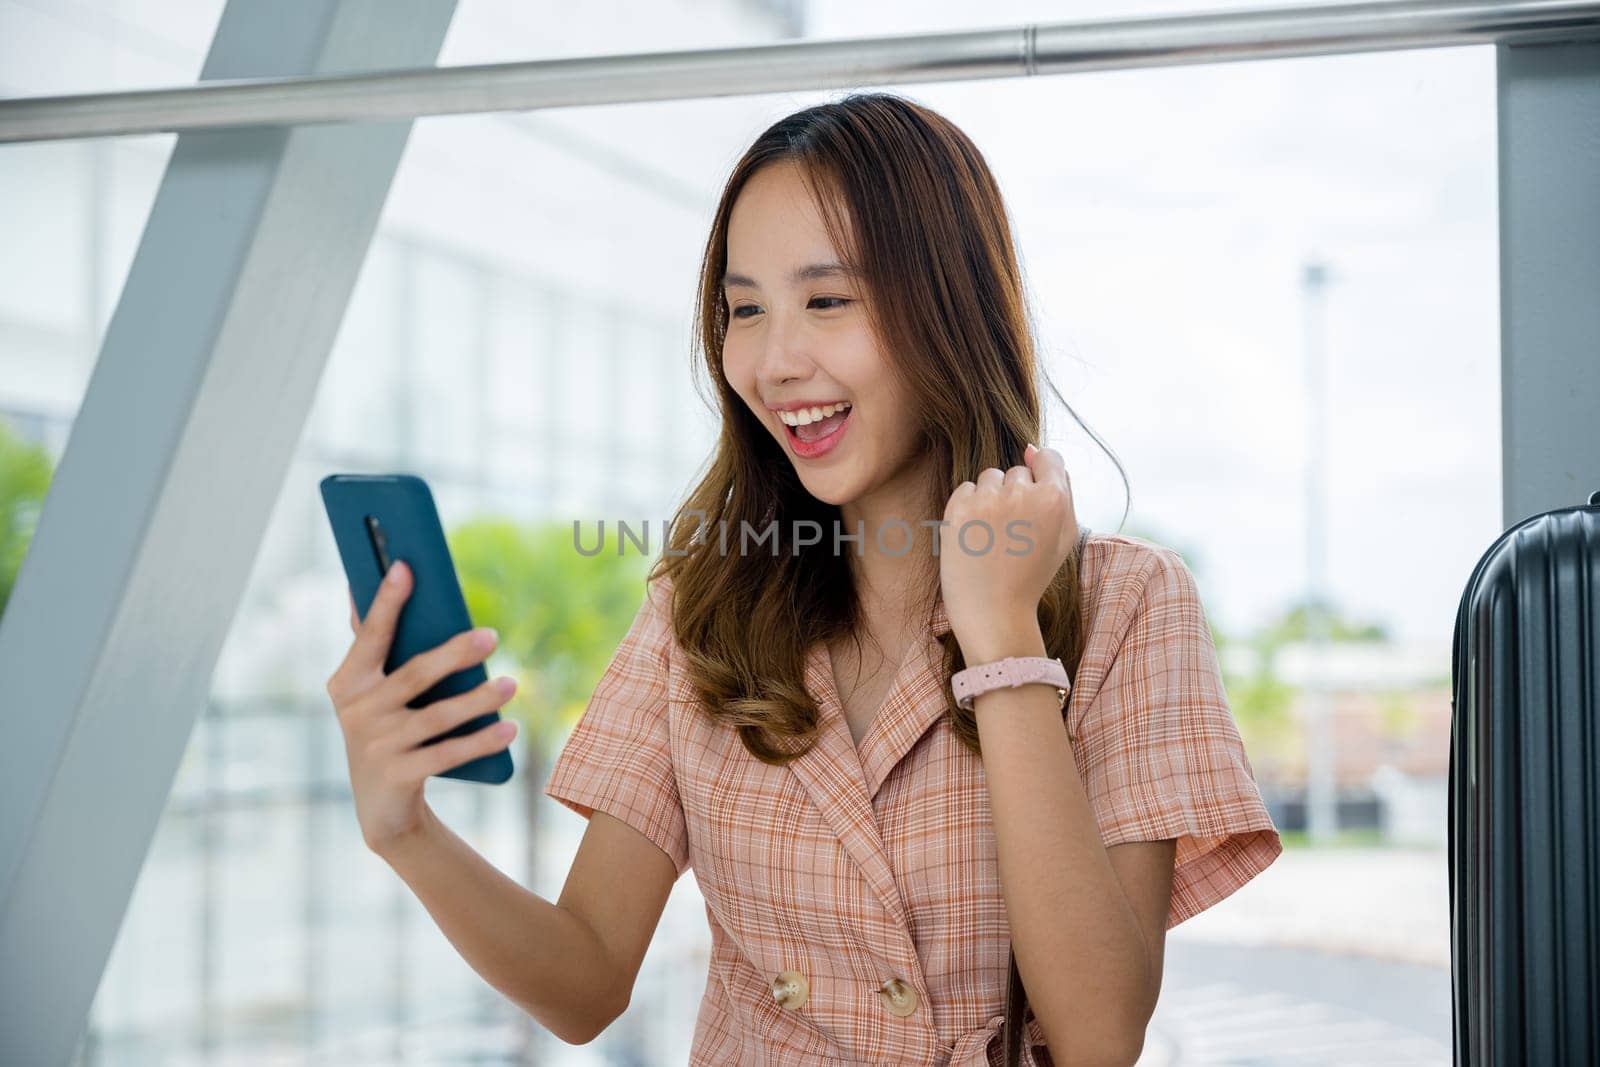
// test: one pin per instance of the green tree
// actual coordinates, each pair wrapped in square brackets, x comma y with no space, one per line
[1294,624]
[560,616]
[25,473]
[1261,703]
[1259,699]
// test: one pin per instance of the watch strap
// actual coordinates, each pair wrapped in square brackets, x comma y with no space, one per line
[969,684]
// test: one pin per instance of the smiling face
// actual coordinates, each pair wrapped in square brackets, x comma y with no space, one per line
[799,335]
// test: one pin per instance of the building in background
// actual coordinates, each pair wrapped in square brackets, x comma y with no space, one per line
[1390,734]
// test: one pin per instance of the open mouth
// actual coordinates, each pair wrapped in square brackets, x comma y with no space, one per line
[820,435]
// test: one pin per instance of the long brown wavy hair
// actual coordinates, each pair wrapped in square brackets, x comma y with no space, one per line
[910,203]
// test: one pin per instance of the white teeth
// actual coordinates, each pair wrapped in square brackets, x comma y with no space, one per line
[806,416]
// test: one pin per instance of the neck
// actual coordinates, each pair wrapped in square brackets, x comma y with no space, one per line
[896,558]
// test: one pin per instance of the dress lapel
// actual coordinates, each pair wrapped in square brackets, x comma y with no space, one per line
[842,781]
[830,770]
[914,704]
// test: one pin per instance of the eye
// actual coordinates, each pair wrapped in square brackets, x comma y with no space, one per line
[833,301]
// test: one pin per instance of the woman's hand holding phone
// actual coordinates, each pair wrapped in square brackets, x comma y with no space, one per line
[383,737]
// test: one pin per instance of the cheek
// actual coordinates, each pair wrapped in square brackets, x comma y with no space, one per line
[732,366]
[897,429]
[740,374]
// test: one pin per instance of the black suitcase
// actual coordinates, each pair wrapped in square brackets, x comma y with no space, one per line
[1524,808]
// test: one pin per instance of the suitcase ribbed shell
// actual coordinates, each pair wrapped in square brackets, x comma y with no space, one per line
[1524,808]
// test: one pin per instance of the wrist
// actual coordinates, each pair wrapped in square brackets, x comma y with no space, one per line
[396,850]
[1018,637]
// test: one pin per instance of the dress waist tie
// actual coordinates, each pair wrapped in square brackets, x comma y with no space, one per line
[972,1049]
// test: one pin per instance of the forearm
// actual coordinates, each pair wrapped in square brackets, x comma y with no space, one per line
[1079,947]
[545,959]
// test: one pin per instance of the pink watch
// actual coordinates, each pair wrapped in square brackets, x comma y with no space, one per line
[973,682]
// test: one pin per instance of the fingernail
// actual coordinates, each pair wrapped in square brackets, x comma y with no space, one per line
[394,574]
[484,637]
[506,686]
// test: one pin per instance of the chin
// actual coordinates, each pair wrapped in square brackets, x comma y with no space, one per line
[830,490]
[829,494]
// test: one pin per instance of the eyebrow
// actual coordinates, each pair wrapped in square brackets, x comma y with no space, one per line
[799,274]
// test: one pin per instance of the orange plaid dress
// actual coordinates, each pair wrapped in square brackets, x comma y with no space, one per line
[852,868]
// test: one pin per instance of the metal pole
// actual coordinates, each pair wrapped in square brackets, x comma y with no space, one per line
[1322,795]
[1549,101]
[1019,51]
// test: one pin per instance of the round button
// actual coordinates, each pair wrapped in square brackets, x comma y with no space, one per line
[790,990]
[898,996]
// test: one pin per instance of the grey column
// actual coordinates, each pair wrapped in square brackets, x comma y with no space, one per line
[191,417]
[1549,127]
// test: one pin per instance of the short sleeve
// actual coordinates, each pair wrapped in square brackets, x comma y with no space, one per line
[1157,745]
[618,758]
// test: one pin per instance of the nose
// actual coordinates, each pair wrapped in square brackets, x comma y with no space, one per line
[783,354]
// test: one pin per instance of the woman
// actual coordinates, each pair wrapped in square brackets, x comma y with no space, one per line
[781,715]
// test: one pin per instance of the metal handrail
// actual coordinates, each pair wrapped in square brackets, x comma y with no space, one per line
[1032,49]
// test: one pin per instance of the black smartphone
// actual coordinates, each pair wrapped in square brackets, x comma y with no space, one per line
[380,518]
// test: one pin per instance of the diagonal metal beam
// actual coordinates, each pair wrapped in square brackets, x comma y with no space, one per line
[900,59]
[191,417]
